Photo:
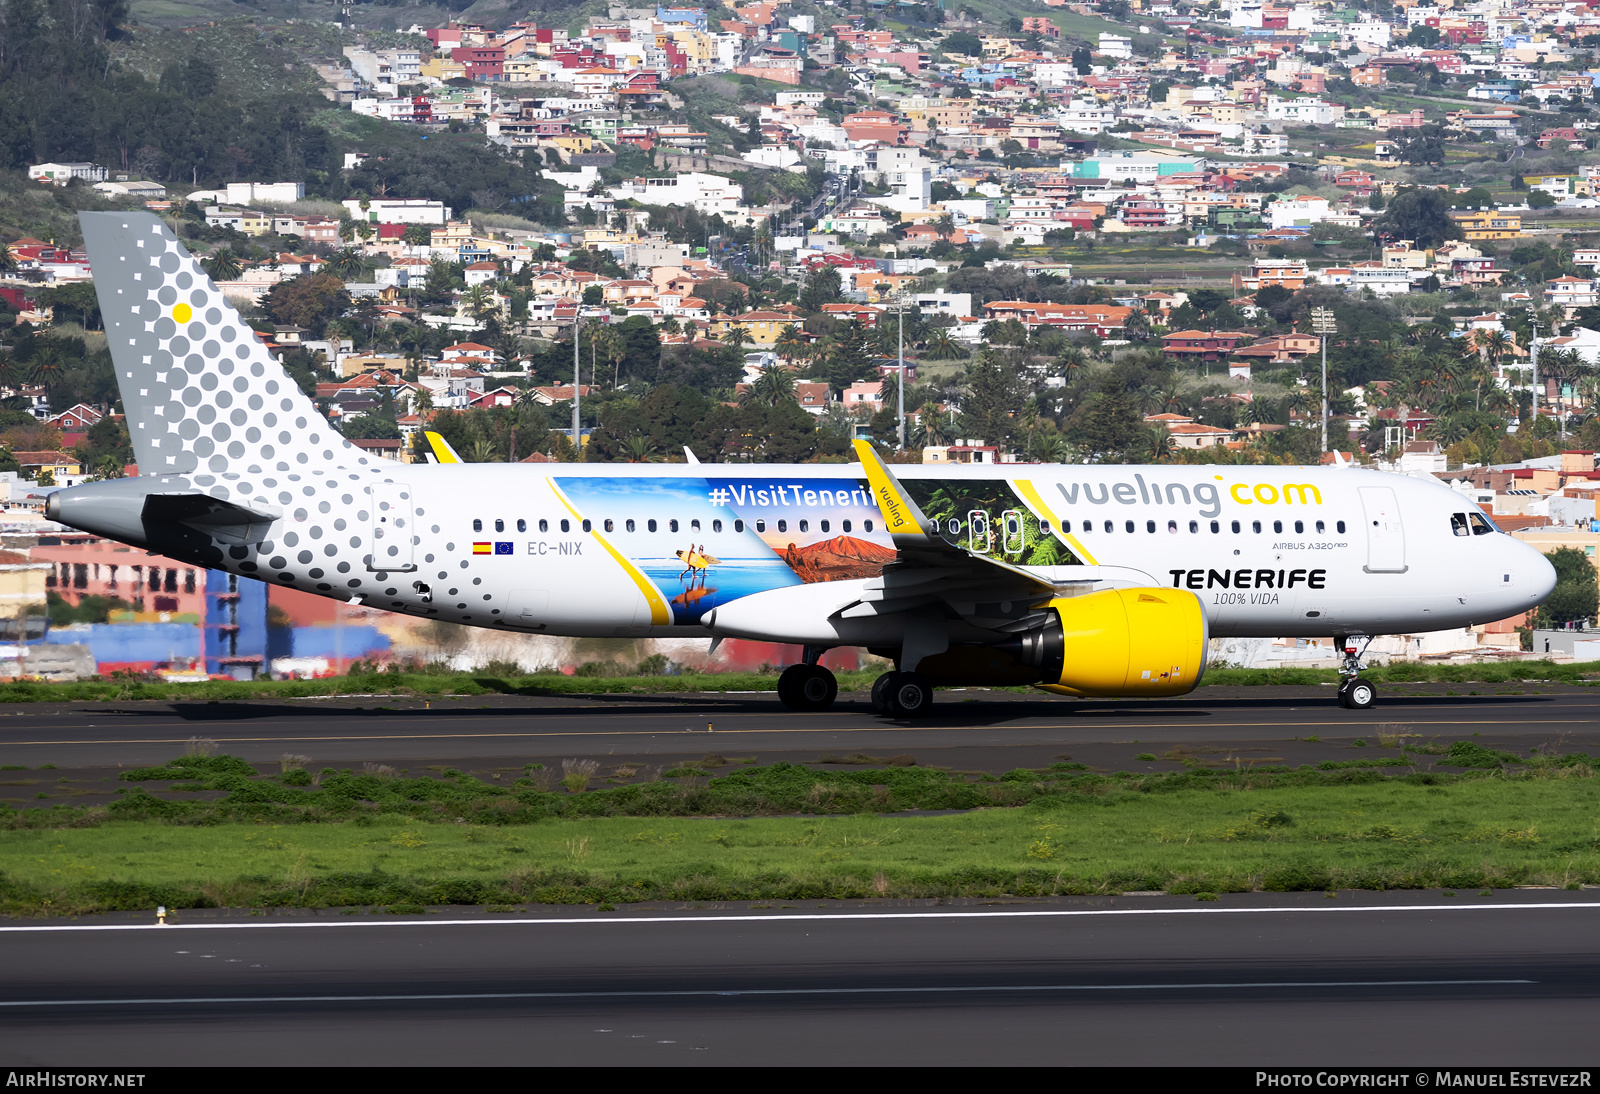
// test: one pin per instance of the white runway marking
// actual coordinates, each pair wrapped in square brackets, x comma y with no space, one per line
[802,917]
[731,992]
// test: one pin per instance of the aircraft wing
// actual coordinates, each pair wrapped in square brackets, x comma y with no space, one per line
[930,567]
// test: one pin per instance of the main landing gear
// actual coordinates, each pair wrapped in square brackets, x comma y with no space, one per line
[902,695]
[1354,692]
[808,686]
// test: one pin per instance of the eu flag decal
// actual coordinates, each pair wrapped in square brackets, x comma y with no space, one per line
[502,548]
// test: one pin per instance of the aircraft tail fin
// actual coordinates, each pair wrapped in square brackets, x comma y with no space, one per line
[200,390]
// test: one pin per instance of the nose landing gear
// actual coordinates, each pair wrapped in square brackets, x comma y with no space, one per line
[1354,692]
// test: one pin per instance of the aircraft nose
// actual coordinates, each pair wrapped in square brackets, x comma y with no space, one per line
[1541,578]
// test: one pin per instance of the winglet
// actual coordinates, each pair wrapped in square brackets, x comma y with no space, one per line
[902,519]
[442,452]
[689,456]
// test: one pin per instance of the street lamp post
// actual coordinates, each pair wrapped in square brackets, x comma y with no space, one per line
[900,418]
[1533,361]
[1323,324]
[577,382]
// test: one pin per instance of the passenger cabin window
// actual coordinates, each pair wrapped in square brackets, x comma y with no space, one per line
[522,525]
[672,525]
[738,526]
[867,524]
[1150,526]
[1277,526]
[823,525]
[1235,527]
[499,526]
[783,526]
[1339,526]
[650,525]
[1216,527]
[566,525]
[1255,526]
[627,524]
[1128,525]
[544,525]
[761,526]
[1299,527]
[845,525]
[587,525]
[1481,526]
[1194,527]
[1321,528]
[716,526]
[610,524]
[805,526]
[694,526]
[477,525]
[1172,527]
[1110,527]
[1458,524]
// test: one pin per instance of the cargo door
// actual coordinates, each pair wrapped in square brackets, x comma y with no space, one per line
[393,535]
[1386,537]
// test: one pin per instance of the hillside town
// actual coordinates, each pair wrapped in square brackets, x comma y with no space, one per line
[1350,234]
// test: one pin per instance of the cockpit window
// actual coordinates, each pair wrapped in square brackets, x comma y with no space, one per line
[1458,524]
[1481,525]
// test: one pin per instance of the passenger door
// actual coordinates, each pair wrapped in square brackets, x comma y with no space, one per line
[1386,537]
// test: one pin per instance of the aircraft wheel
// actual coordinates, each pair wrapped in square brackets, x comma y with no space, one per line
[910,695]
[789,686]
[816,689]
[880,693]
[1360,695]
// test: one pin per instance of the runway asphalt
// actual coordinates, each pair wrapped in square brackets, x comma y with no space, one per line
[1259,980]
[979,731]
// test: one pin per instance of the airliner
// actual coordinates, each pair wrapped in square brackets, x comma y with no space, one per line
[1082,580]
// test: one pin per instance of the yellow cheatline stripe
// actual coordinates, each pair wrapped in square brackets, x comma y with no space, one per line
[659,615]
[441,448]
[1031,496]
[892,503]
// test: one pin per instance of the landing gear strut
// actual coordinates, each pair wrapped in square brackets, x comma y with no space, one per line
[902,695]
[808,686]
[1354,692]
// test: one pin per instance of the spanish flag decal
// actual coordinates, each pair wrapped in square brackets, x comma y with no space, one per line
[483,548]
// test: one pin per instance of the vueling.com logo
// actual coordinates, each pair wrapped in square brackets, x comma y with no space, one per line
[1267,494]
[892,503]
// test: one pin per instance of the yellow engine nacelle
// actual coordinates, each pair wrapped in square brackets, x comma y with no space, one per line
[1122,642]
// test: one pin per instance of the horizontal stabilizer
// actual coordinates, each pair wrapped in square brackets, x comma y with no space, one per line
[220,519]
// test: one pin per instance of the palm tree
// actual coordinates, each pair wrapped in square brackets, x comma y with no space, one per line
[773,387]
[933,426]
[1051,448]
[223,265]
[609,344]
[791,343]
[483,450]
[48,361]
[941,347]
[8,261]
[479,301]
[347,263]
[734,335]
[640,449]
[946,225]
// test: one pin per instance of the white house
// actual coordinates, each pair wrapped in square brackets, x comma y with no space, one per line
[398,211]
[59,174]
[1297,211]
[706,193]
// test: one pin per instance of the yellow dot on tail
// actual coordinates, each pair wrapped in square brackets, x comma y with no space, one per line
[181,313]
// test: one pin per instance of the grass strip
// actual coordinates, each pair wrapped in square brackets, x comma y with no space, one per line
[431,684]
[400,845]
